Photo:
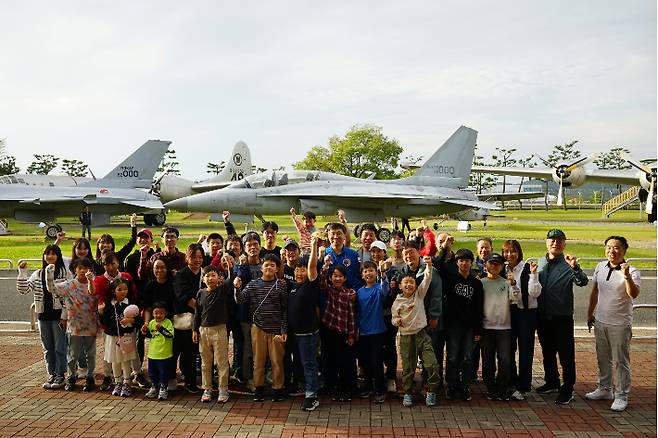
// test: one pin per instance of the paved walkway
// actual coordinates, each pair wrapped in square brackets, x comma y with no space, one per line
[28,410]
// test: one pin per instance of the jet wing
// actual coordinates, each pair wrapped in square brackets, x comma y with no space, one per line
[509,196]
[471,203]
[205,186]
[144,203]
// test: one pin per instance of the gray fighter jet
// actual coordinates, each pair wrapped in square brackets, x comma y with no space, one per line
[117,193]
[436,188]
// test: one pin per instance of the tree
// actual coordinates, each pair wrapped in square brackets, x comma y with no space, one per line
[74,168]
[478,180]
[169,163]
[364,151]
[504,158]
[563,152]
[43,164]
[215,168]
[411,161]
[8,165]
[613,159]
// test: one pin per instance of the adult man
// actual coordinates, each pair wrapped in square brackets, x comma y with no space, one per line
[616,285]
[433,299]
[368,235]
[174,259]
[340,254]
[85,221]
[557,274]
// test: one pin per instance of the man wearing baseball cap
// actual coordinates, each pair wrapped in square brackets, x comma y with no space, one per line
[557,274]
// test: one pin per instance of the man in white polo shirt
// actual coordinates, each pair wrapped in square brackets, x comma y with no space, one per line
[616,285]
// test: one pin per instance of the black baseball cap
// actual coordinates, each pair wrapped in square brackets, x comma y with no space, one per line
[494,257]
[556,233]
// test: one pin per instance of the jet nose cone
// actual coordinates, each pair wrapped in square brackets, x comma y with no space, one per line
[177,204]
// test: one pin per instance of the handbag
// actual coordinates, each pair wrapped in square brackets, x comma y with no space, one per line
[184,321]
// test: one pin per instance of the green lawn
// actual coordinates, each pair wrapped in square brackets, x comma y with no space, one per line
[585,229]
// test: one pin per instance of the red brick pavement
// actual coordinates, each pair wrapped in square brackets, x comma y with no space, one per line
[28,410]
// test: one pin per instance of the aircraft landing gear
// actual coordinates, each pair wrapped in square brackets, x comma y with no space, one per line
[52,230]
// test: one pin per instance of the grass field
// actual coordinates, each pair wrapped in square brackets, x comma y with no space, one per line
[585,229]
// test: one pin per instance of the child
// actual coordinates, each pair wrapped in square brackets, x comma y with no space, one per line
[497,324]
[409,316]
[304,229]
[268,299]
[161,350]
[303,322]
[210,318]
[372,329]
[339,320]
[49,313]
[464,301]
[81,308]
[120,343]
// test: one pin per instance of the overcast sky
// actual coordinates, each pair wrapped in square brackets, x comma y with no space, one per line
[94,80]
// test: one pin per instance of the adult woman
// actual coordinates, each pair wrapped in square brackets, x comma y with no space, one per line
[524,315]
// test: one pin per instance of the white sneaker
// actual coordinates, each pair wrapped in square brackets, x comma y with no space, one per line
[619,405]
[600,394]
[517,395]
[391,386]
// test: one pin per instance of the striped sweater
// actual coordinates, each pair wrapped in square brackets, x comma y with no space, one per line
[268,301]
[25,285]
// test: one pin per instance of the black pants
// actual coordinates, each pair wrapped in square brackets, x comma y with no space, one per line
[341,362]
[371,353]
[496,344]
[186,351]
[524,324]
[390,350]
[556,337]
[292,364]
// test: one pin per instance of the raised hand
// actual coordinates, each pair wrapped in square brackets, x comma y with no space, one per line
[226,215]
[237,282]
[533,267]
[572,260]
[133,220]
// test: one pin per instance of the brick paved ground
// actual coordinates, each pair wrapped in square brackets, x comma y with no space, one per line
[28,410]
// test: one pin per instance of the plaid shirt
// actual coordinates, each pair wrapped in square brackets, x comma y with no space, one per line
[340,313]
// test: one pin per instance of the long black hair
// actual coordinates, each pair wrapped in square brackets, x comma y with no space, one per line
[60,269]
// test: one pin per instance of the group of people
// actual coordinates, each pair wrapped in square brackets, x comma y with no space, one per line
[317,313]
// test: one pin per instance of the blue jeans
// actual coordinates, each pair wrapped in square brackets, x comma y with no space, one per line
[55,344]
[77,345]
[307,345]
[459,363]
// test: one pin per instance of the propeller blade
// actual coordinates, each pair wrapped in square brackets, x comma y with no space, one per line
[649,207]
[581,162]
[560,194]
[640,166]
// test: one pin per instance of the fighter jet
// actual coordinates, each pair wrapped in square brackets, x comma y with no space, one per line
[113,194]
[436,188]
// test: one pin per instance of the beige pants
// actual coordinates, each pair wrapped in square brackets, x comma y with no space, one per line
[263,345]
[213,344]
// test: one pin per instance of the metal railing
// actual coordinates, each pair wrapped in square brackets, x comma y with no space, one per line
[644,306]
[10,262]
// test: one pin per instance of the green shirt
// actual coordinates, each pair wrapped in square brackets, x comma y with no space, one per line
[162,341]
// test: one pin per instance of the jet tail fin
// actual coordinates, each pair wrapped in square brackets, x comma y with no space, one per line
[453,160]
[237,168]
[138,169]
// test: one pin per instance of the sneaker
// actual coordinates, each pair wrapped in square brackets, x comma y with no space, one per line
[58,382]
[380,397]
[192,389]
[364,394]
[82,373]
[172,385]
[223,396]
[503,396]
[126,390]
[48,383]
[277,395]
[391,386]
[546,389]
[466,394]
[297,391]
[407,401]
[517,395]
[564,398]
[106,384]
[600,394]
[152,392]
[259,394]
[117,390]
[90,385]
[206,396]
[310,404]
[451,394]
[619,405]
[163,393]
[141,381]
[430,399]
[235,378]
[70,385]
[492,395]
[346,397]
[250,386]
